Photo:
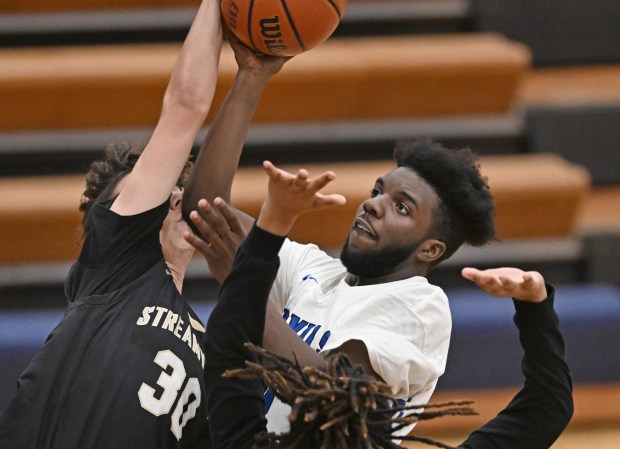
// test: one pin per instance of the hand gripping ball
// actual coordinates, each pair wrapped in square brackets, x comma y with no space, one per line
[282,27]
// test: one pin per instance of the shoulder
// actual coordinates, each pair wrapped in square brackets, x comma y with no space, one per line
[109,231]
[307,254]
[292,247]
[417,292]
[409,303]
[419,303]
[103,214]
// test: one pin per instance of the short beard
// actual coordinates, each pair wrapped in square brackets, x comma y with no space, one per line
[375,263]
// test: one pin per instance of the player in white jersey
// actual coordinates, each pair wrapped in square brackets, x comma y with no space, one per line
[342,407]
[374,302]
[404,325]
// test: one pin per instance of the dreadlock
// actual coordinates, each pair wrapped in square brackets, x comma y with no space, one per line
[340,408]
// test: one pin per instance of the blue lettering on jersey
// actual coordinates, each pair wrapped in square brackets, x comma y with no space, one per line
[269,396]
[309,277]
[401,403]
[297,323]
[307,332]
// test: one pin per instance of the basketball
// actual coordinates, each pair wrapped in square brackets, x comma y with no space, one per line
[282,27]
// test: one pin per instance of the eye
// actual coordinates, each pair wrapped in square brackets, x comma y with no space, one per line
[402,208]
[375,192]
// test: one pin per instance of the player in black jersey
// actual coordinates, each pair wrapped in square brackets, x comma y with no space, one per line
[534,418]
[124,367]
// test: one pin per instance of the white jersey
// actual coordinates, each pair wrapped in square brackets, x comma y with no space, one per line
[405,325]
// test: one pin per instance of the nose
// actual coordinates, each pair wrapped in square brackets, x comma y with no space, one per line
[372,206]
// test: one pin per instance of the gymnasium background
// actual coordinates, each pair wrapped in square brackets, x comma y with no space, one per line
[532,86]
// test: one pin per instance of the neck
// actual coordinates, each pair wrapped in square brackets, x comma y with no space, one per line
[354,280]
[178,274]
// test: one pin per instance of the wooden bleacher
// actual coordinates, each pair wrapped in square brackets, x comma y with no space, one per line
[380,78]
[150,21]
[574,111]
[595,405]
[571,85]
[450,7]
[39,6]
[600,211]
[536,196]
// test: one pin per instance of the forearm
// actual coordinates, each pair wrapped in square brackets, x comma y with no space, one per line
[185,105]
[543,407]
[239,315]
[219,155]
[236,406]
[194,76]
[280,339]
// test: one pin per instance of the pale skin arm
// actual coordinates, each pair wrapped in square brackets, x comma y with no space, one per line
[186,103]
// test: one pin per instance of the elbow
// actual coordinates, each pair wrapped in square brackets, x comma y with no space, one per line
[186,104]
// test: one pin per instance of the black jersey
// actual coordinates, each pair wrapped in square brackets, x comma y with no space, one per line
[124,367]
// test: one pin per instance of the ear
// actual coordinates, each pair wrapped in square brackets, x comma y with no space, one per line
[430,250]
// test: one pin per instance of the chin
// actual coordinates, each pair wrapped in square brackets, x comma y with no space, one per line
[357,244]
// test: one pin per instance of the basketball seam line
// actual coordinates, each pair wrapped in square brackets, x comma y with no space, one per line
[331,2]
[250,9]
[290,21]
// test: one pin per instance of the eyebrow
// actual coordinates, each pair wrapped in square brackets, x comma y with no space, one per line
[381,182]
[410,198]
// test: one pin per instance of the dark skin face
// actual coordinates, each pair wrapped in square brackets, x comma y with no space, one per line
[398,213]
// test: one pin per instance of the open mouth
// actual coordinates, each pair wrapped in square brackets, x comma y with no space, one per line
[362,225]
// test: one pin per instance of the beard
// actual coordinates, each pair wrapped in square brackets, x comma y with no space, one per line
[375,263]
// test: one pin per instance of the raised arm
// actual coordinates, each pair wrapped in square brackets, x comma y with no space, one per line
[185,106]
[288,196]
[219,155]
[542,409]
[236,406]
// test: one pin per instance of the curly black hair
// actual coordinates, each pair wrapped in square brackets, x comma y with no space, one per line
[102,177]
[339,408]
[466,213]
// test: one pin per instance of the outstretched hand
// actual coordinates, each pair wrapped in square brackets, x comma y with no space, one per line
[509,282]
[291,195]
[221,233]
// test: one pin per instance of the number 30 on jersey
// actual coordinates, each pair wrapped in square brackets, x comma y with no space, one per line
[171,384]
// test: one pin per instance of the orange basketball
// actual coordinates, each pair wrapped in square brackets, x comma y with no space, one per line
[282,27]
